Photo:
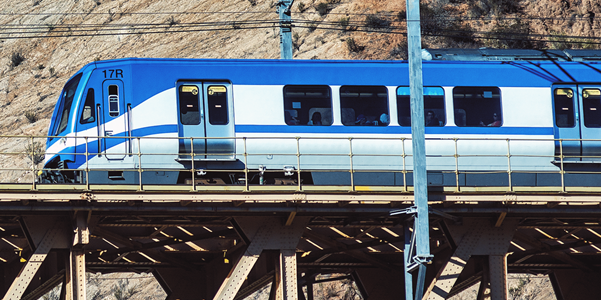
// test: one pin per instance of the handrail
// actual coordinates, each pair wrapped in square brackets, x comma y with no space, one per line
[452,155]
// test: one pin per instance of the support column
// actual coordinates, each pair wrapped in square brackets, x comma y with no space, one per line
[77,256]
[484,289]
[44,239]
[477,236]
[310,293]
[407,258]
[67,290]
[270,234]
[497,265]
[288,287]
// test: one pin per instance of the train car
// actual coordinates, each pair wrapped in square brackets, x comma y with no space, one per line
[166,121]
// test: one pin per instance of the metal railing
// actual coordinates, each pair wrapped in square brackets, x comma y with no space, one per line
[362,159]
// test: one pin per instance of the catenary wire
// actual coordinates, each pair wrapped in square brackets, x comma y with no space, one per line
[150,28]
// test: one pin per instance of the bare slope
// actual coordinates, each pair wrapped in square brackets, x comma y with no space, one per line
[33,70]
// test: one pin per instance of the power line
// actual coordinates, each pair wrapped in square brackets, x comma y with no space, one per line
[136,13]
[28,31]
[387,14]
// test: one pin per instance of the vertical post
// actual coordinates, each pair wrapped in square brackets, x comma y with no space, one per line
[310,290]
[509,165]
[456,166]
[350,140]
[87,165]
[77,256]
[285,28]
[420,180]
[406,254]
[33,159]
[298,165]
[404,165]
[288,284]
[140,187]
[245,166]
[192,161]
[498,276]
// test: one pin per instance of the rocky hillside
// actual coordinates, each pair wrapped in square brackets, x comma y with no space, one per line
[43,42]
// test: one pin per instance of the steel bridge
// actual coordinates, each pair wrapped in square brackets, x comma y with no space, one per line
[206,240]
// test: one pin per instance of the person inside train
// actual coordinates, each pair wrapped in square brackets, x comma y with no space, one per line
[431,119]
[495,123]
[361,120]
[384,119]
[315,119]
[290,120]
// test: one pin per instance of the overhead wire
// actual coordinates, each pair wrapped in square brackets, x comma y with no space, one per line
[25,31]
[381,13]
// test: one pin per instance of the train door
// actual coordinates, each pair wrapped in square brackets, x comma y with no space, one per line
[578,121]
[205,120]
[114,120]
[590,122]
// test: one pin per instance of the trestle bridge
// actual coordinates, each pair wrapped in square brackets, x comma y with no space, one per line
[207,239]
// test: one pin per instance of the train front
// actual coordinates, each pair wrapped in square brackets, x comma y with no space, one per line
[61,145]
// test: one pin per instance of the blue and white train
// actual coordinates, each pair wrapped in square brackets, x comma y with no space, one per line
[326,118]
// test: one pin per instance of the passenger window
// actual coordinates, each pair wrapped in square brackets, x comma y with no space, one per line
[307,105]
[592,107]
[113,100]
[87,114]
[364,106]
[67,101]
[477,106]
[217,99]
[189,112]
[564,107]
[434,112]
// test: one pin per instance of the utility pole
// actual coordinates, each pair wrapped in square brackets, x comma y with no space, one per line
[417,248]
[283,10]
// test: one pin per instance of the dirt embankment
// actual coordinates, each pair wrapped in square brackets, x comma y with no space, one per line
[55,38]
[43,42]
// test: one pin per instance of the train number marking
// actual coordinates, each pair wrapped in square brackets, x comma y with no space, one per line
[117,73]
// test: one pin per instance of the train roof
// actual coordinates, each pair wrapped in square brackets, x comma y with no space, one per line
[516,73]
[489,54]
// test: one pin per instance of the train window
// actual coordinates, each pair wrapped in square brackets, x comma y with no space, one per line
[592,107]
[66,103]
[189,112]
[307,105]
[477,106]
[564,107]
[434,112]
[217,99]
[113,100]
[364,105]
[87,114]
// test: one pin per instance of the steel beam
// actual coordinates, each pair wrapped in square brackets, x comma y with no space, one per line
[406,256]
[288,282]
[341,247]
[46,287]
[268,234]
[53,238]
[477,236]
[77,256]
[497,265]
[562,256]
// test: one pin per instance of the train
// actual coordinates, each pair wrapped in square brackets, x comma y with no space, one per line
[327,122]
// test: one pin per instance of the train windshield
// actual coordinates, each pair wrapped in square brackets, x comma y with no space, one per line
[66,103]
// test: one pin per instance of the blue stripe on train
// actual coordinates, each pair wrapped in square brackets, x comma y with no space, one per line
[393,130]
[153,130]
